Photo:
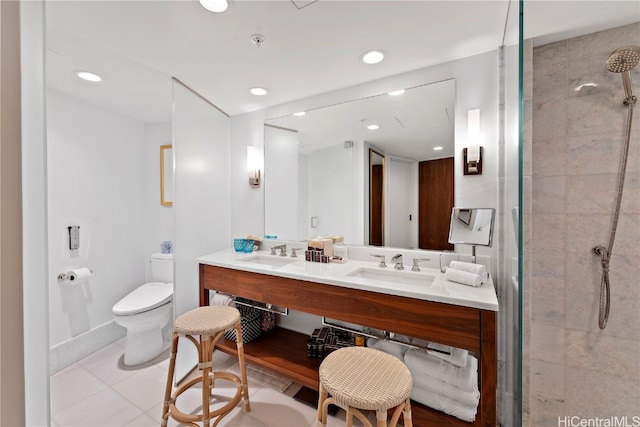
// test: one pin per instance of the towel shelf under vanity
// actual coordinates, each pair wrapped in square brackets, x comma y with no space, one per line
[464,327]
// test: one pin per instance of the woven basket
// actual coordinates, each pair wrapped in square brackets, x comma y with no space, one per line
[251,321]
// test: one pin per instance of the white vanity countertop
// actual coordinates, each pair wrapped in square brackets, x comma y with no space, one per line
[428,284]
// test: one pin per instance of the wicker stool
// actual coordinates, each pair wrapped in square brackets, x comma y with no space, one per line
[364,378]
[210,323]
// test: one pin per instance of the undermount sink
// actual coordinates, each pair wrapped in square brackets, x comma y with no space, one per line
[393,276]
[270,260]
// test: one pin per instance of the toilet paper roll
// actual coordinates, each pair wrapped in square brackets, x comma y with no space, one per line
[78,275]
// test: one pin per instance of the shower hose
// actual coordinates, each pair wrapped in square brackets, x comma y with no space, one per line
[605,253]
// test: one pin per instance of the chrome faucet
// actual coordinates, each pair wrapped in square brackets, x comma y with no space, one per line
[293,252]
[382,261]
[415,266]
[397,259]
[283,250]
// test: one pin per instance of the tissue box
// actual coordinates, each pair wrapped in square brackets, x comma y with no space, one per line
[243,245]
[251,323]
[166,247]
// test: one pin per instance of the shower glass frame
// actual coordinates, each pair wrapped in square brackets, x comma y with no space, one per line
[519,375]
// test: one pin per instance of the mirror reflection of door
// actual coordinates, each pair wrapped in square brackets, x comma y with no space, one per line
[400,203]
[435,201]
[376,198]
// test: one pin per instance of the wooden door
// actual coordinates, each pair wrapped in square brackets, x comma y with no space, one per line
[435,201]
[376,216]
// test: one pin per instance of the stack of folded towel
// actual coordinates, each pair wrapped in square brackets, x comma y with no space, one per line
[467,273]
[392,348]
[218,298]
[445,378]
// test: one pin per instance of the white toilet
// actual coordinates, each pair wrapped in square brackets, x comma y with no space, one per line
[145,311]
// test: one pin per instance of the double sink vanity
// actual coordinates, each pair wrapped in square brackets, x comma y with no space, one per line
[420,304]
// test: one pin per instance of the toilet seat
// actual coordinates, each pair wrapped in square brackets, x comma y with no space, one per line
[146,297]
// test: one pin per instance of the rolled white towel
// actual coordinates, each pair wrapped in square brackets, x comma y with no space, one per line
[456,394]
[421,362]
[453,355]
[441,403]
[463,277]
[221,299]
[469,267]
[394,349]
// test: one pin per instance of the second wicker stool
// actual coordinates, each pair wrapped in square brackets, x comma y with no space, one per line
[210,324]
[355,378]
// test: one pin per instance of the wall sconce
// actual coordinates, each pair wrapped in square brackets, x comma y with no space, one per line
[253,167]
[472,155]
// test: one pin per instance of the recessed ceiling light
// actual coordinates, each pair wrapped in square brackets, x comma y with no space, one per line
[215,5]
[299,113]
[259,91]
[373,127]
[438,148]
[90,77]
[372,56]
[396,92]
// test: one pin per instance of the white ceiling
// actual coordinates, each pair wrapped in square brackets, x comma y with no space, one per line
[137,46]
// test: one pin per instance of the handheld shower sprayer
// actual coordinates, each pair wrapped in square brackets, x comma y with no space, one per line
[622,60]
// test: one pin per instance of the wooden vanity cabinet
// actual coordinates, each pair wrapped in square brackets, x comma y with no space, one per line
[284,351]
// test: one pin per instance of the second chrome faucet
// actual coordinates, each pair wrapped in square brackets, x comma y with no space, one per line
[397,260]
[283,250]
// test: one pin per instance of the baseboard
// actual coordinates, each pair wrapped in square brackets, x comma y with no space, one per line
[77,348]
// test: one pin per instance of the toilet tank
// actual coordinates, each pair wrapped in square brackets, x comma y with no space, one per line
[162,268]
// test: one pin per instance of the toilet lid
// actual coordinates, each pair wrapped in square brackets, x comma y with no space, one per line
[145,298]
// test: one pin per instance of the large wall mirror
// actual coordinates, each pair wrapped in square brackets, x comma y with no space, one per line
[323,165]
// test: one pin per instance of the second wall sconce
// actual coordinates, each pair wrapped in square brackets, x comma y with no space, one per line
[253,167]
[472,155]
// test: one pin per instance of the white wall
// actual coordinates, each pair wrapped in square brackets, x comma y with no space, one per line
[158,223]
[34,226]
[201,199]
[476,87]
[95,180]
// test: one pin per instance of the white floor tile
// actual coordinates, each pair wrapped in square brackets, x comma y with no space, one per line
[223,361]
[275,409]
[105,408]
[156,413]
[100,391]
[106,364]
[241,418]
[143,389]
[143,421]
[71,385]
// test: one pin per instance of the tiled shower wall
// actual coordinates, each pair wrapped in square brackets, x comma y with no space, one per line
[570,366]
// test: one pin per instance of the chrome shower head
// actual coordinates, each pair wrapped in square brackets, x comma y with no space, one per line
[622,60]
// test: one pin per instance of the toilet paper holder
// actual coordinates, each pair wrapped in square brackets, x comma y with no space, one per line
[64,276]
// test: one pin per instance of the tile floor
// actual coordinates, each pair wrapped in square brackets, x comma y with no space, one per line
[100,391]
